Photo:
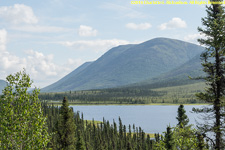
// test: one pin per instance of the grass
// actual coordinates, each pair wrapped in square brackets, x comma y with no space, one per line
[91,121]
[182,94]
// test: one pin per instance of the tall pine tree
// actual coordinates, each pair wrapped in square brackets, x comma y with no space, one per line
[80,145]
[66,127]
[214,67]
[182,117]
[169,140]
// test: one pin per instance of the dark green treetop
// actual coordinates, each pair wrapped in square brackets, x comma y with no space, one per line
[182,117]
[66,127]
[169,139]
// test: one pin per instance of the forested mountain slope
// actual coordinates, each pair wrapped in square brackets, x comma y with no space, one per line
[129,64]
[177,76]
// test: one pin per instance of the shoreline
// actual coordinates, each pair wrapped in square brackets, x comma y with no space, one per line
[153,104]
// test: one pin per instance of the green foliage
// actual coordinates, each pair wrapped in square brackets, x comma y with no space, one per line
[131,95]
[185,138]
[80,145]
[213,63]
[169,139]
[22,124]
[182,117]
[182,136]
[66,127]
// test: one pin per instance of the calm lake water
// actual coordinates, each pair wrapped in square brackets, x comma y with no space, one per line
[151,118]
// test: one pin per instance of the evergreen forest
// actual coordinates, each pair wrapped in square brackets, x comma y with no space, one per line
[172,94]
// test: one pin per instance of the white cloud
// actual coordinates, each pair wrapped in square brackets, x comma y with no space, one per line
[43,69]
[17,14]
[40,29]
[86,31]
[22,18]
[173,24]
[40,67]
[94,45]
[141,26]
[39,63]
[193,37]
[8,62]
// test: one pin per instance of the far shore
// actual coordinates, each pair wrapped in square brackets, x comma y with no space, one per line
[158,104]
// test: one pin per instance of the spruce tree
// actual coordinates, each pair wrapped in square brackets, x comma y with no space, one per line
[182,117]
[80,145]
[201,142]
[66,127]
[169,139]
[214,67]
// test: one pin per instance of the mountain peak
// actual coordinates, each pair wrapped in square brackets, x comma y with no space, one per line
[127,64]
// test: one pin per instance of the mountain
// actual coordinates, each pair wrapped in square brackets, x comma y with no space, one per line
[177,76]
[2,85]
[129,64]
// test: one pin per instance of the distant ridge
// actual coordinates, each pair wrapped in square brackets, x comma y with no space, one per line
[127,64]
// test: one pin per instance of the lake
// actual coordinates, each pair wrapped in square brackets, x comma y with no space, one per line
[151,118]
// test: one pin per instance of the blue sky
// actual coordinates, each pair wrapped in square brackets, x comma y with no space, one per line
[50,38]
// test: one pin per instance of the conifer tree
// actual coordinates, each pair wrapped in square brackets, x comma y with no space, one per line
[214,67]
[182,117]
[66,127]
[129,147]
[80,142]
[169,139]
[201,142]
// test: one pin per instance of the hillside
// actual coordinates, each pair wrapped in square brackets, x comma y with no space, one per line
[129,64]
[177,76]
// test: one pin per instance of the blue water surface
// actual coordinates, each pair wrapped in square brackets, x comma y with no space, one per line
[151,118]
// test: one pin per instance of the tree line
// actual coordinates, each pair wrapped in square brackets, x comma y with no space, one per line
[121,96]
